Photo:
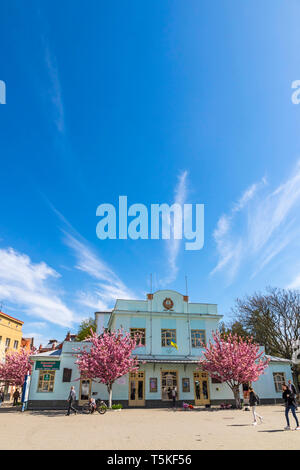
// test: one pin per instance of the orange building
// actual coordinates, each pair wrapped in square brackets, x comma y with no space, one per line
[10,341]
[10,334]
[27,343]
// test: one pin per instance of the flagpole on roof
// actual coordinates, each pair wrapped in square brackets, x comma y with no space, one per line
[188,314]
[151,314]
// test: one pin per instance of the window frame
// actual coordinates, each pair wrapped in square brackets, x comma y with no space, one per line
[154,390]
[48,382]
[134,331]
[194,337]
[165,338]
[278,384]
[67,374]
[186,389]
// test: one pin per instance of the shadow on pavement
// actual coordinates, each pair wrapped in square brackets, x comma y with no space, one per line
[6,408]
[238,425]
[50,413]
[273,430]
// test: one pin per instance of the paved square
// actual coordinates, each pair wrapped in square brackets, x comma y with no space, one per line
[147,429]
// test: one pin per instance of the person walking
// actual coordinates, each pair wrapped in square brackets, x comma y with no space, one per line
[173,393]
[253,401]
[71,400]
[1,397]
[292,387]
[290,404]
[16,397]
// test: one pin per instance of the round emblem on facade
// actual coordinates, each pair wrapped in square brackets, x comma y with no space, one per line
[168,303]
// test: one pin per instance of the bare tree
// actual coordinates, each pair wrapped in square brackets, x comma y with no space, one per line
[273,319]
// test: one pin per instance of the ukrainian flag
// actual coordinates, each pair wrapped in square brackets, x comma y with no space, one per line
[174,345]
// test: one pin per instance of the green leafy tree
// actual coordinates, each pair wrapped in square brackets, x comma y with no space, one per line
[85,328]
[233,328]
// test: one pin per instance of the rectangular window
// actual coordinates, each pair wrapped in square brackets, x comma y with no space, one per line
[16,343]
[279,380]
[167,336]
[153,384]
[67,374]
[141,332]
[46,381]
[198,337]
[7,342]
[186,384]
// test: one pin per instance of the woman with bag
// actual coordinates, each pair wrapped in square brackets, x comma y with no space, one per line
[290,404]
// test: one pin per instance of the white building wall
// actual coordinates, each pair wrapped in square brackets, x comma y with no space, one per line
[138,317]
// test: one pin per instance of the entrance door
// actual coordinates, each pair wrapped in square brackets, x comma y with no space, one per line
[169,380]
[137,389]
[84,391]
[201,388]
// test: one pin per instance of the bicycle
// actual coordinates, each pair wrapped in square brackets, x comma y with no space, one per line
[100,406]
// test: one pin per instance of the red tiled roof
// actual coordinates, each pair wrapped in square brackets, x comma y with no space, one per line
[13,318]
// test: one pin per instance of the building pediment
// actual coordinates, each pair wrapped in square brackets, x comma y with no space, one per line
[168,301]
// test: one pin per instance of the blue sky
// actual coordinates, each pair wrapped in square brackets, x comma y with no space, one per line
[156,101]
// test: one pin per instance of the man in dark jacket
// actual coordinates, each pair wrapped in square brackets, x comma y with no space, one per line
[16,397]
[1,397]
[290,404]
[71,400]
[253,401]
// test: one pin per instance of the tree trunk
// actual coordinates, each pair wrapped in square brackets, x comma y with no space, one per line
[295,373]
[109,388]
[236,393]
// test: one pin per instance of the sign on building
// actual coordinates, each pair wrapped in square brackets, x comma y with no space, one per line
[47,365]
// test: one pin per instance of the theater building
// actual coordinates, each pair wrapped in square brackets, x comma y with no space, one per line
[162,319]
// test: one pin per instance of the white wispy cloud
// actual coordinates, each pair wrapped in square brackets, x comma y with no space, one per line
[259,226]
[229,247]
[173,245]
[107,286]
[28,286]
[40,325]
[55,90]
[295,284]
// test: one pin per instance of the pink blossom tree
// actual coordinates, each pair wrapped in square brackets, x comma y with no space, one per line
[15,367]
[233,360]
[108,358]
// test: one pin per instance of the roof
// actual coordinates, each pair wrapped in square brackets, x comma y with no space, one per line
[55,353]
[278,359]
[12,318]
[169,361]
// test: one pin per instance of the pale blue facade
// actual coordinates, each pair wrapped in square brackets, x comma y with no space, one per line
[162,367]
